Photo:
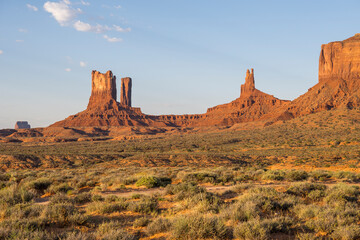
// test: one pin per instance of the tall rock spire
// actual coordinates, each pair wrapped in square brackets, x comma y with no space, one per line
[125,95]
[249,85]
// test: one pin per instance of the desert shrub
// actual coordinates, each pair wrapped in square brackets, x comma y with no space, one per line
[306,236]
[97,198]
[329,218]
[296,175]
[61,213]
[13,195]
[242,211]
[320,175]
[348,232]
[200,227]
[277,175]
[348,176]
[261,229]
[201,177]
[141,222]
[342,193]
[268,200]
[112,231]
[184,190]
[23,211]
[62,187]
[304,189]
[151,182]
[24,233]
[303,211]
[4,177]
[60,198]
[145,205]
[130,180]
[106,208]
[158,225]
[39,184]
[111,198]
[76,235]
[83,198]
[242,187]
[204,202]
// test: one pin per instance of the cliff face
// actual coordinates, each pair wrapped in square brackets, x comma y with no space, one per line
[340,60]
[339,80]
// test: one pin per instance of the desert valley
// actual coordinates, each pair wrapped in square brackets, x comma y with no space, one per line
[256,168]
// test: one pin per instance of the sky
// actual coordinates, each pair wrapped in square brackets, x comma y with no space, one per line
[183,55]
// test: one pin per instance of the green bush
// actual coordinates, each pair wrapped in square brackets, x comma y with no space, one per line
[151,182]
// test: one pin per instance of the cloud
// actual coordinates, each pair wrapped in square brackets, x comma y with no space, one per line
[82,27]
[23,30]
[67,69]
[85,3]
[86,27]
[82,64]
[31,7]
[1,52]
[117,7]
[19,40]
[61,11]
[120,29]
[112,39]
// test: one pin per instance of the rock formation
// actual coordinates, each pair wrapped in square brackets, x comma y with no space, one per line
[339,85]
[249,85]
[339,80]
[103,90]
[125,97]
[22,125]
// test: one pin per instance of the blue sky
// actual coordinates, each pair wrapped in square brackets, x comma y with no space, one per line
[184,56]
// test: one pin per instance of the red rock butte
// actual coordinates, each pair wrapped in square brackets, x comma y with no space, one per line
[338,86]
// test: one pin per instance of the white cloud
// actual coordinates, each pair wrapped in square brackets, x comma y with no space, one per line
[19,40]
[120,29]
[1,52]
[67,69]
[23,30]
[31,7]
[117,7]
[82,64]
[85,3]
[112,39]
[86,27]
[82,27]
[61,11]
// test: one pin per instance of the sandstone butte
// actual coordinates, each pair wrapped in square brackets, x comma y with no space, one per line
[338,86]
